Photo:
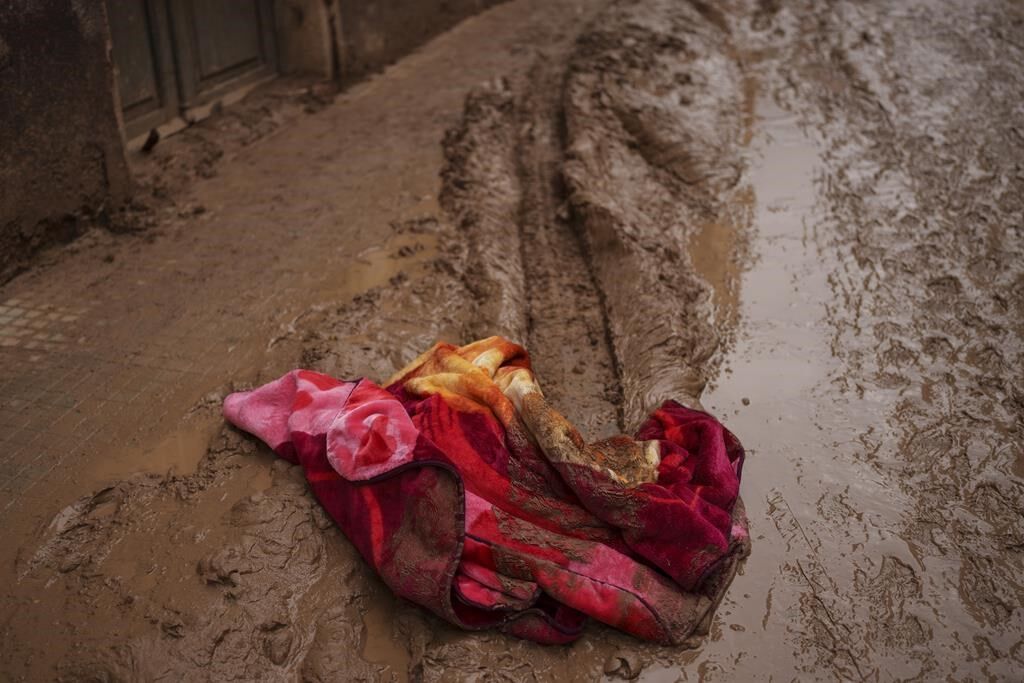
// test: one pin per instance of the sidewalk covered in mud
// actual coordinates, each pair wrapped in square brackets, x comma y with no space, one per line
[803,219]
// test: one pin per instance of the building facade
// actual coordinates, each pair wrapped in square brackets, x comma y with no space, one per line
[80,79]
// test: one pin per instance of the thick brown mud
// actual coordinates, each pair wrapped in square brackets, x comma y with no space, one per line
[874,371]
[654,104]
[805,218]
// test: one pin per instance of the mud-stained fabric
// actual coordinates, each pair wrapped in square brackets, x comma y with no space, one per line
[473,497]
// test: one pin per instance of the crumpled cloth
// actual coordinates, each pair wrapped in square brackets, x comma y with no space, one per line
[474,498]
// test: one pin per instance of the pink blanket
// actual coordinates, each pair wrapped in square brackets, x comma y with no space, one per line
[473,497]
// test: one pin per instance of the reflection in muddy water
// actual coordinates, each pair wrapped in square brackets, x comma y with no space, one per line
[716,251]
[776,392]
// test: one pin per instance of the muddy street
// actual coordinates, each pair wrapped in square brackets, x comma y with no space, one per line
[805,218]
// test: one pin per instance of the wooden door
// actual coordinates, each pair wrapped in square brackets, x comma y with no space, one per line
[172,55]
[220,42]
[146,80]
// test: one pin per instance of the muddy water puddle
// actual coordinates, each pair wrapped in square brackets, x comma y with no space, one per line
[776,393]
[716,253]
[379,645]
[371,261]
[780,356]
[178,453]
[375,265]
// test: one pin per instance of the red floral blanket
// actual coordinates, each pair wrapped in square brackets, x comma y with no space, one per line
[473,497]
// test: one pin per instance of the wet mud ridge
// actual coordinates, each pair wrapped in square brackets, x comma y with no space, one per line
[654,105]
[669,200]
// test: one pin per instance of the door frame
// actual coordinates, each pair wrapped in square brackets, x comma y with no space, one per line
[193,91]
[182,96]
[165,77]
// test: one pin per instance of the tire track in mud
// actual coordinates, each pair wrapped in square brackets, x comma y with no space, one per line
[568,332]
[524,267]
[482,194]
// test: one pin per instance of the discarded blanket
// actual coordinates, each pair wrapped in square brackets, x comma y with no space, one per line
[471,496]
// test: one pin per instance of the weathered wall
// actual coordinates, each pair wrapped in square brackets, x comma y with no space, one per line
[377,32]
[61,155]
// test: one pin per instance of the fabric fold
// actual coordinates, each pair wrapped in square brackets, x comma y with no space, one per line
[473,497]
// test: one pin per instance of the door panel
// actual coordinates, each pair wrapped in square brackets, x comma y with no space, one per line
[140,35]
[136,68]
[176,54]
[230,38]
[221,41]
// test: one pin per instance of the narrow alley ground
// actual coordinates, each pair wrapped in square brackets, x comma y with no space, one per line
[805,218]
